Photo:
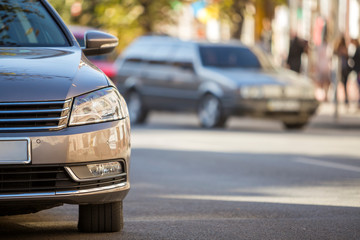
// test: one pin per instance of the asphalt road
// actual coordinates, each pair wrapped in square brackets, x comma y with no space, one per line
[252,180]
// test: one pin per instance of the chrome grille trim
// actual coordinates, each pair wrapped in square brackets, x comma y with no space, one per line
[32,119]
[32,128]
[35,111]
[36,103]
[32,116]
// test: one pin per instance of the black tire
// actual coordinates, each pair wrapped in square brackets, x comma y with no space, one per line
[294,126]
[98,218]
[137,111]
[211,114]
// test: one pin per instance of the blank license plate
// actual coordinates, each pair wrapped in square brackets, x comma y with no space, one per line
[283,105]
[14,151]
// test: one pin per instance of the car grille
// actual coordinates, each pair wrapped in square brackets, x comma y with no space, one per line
[45,179]
[30,116]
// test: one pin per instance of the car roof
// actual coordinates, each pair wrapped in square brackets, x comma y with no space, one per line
[152,47]
[176,41]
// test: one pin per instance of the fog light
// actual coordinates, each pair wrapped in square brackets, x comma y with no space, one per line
[105,169]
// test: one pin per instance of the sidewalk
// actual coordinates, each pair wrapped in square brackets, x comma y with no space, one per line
[348,116]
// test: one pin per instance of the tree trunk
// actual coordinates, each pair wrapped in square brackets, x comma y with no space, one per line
[145,18]
[238,8]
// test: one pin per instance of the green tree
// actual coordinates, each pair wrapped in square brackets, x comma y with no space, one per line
[127,19]
[233,12]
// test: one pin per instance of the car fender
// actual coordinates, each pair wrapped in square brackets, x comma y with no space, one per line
[211,88]
[131,83]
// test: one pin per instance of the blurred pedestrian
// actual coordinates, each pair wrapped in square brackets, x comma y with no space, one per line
[323,69]
[341,50]
[356,63]
[266,36]
[297,48]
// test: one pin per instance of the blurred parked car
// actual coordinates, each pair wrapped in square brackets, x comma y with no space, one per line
[64,127]
[101,61]
[216,80]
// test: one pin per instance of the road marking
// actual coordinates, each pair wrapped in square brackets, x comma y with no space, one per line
[328,164]
[332,200]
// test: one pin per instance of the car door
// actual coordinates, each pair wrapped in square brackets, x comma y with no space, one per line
[183,82]
[128,73]
[155,78]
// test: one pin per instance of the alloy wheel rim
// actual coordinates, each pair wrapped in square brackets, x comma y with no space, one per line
[134,106]
[210,111]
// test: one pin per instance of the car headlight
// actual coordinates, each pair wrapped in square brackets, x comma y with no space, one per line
[251,92]
[98,106]
[309,93]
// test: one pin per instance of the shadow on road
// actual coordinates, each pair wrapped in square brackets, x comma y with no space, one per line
[320,124]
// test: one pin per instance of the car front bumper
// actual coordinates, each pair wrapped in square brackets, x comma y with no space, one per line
[44,181]
[280,109]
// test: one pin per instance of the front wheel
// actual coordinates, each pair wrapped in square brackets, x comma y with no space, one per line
[98,218]
[211,113]
[295,125]
[137,111]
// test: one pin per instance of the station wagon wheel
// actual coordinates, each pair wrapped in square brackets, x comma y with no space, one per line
[211,113]
[106,217]
[136,108]
[295,126]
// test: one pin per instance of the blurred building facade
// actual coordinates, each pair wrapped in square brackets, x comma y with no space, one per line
[323,22]
[312,20]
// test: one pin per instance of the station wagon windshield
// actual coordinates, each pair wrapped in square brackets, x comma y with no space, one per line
[26,23]
[228,57]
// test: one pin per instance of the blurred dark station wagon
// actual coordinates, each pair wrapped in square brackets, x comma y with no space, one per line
[216,80]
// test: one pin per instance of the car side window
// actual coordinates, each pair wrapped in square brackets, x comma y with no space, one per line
[183,59]
[140,51]
[162,52]
[158,68]
[131,65]
[133,60]
[183,54]
[158,61]
[184,66]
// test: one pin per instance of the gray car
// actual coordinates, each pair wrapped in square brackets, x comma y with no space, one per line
[64,127]
[218,80]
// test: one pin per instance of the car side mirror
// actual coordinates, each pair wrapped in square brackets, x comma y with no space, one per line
[97,43]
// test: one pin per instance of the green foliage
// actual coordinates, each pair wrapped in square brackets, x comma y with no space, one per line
[233,12]
[126,19]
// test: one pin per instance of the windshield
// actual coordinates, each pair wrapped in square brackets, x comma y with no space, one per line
[25,23]
[228,57]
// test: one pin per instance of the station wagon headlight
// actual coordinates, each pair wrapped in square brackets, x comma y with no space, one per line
[309,93]
[251,92]
[98,106]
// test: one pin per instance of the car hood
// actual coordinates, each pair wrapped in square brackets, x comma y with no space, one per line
[250,77]
[45,74]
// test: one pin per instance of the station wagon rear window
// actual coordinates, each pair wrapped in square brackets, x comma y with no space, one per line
[26,23]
